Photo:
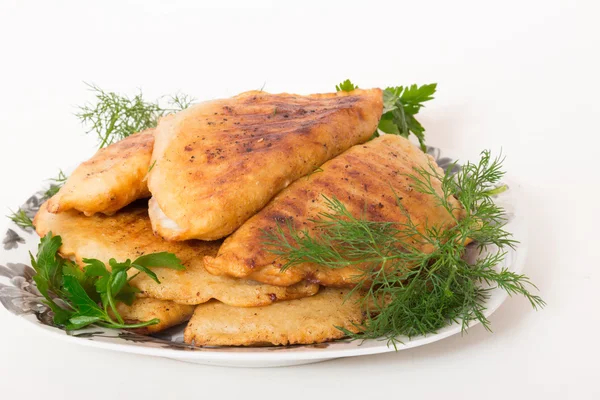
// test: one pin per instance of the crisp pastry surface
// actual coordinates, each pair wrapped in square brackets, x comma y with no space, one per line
[127,235]
[111,179]
[303,321]
[368,179]
[141,310]
[219,162]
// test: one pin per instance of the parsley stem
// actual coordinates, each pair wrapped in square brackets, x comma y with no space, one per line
[123,325]
[111,301]
[133,277]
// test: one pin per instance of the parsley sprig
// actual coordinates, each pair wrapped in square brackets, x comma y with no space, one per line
[114,116]
[400,105]
[346,86]
[409,292]
[79,298]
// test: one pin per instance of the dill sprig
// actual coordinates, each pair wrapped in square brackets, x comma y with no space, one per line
[55,184]
[114,116]
[21,219]
[408,292]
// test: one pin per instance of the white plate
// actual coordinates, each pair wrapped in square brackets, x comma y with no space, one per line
[19,295]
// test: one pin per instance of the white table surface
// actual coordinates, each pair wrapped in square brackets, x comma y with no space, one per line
[521,76]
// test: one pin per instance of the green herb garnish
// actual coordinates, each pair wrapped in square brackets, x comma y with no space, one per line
[400,105]
[114,116]
[79,298]
[20,218]
[346,86]
[56,184]
[409,292]
[151,166]
[314,171]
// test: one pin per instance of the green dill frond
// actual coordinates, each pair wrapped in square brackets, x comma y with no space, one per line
[151,166]
[408,292]
[55,184]
[314,171]
[114,117]
[21,219]
[179,102]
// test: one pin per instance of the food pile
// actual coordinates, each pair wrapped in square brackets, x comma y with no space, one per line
[273,219]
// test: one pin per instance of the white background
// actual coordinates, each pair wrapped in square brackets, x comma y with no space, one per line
[521,76]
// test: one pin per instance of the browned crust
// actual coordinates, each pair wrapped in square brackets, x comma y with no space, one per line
[219,162]
[113,178]
[367,178]
[304,321]
[128,235]
[141,310]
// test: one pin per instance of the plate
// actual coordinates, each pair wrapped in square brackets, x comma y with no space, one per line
[19,295]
